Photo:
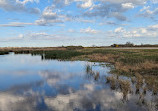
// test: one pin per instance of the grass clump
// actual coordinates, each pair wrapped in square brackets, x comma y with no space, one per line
[4,52]
[113,82]
[125,88]
[123,85]
[61,54]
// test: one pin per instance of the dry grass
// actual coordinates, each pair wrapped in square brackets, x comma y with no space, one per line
[116,83]
[113,82]
[133,80]
[139,82]
[147,65]
[103,58]
[125,88]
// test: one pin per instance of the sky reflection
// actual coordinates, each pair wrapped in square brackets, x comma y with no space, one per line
[30,84]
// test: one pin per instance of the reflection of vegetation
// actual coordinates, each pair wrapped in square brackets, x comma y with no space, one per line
[141,64]
[96,77]
[142,86]
[125,88]
[4,52]
[123,85]
[54,54]
[113,82]
[88,69]
[91,73]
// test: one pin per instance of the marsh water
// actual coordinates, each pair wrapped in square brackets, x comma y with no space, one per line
[28,83]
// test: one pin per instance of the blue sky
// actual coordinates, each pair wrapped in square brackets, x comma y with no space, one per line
[77,22]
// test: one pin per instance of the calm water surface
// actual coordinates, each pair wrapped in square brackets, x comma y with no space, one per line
[28,83]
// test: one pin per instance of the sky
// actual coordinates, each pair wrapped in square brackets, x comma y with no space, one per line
[49,23]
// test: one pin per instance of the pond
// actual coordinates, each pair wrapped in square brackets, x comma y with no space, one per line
[29,83]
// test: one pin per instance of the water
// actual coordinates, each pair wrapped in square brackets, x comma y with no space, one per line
[28,83]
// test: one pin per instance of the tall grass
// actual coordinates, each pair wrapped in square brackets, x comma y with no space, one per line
[4,52]
[53,54]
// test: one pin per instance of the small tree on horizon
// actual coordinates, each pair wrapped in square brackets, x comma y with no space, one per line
[129,44]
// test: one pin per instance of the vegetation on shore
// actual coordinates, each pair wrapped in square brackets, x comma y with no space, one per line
[140,64]
[129,44]
[142,61]
[4,52]
[126,61]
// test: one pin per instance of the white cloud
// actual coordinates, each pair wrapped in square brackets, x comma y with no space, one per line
[26,1]
[119,29]
[106,10]
[15,24]
[7,99]
[21,36]
[103,8]
[48,13]
[144,8]
[38,35]
[85,20]
[12,5]
[146,11]
[80,98]
[71,30]
[87,4]
[50,16]
[128,5]
[89,30]
[150,31]
[136,2]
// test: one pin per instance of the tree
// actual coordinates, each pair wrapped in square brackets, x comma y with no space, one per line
[129,44]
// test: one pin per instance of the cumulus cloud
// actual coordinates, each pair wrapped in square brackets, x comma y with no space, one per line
[17,6]
[136,2]
[26,1]
[107,10]
[103,8]
[128,5]
[89,30]
[148,12]
[50,16]
[87,4]
[150,31]
[119,29]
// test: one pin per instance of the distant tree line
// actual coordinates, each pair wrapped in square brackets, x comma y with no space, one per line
[74,47]
[129,44]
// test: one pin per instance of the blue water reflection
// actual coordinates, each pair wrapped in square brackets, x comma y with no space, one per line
[28,83]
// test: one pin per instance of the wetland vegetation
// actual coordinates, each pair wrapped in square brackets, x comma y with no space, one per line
[133,73]
[126,61]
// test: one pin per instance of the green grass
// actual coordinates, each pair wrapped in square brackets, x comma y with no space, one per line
[4,52]
[53,54]
[64,54]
